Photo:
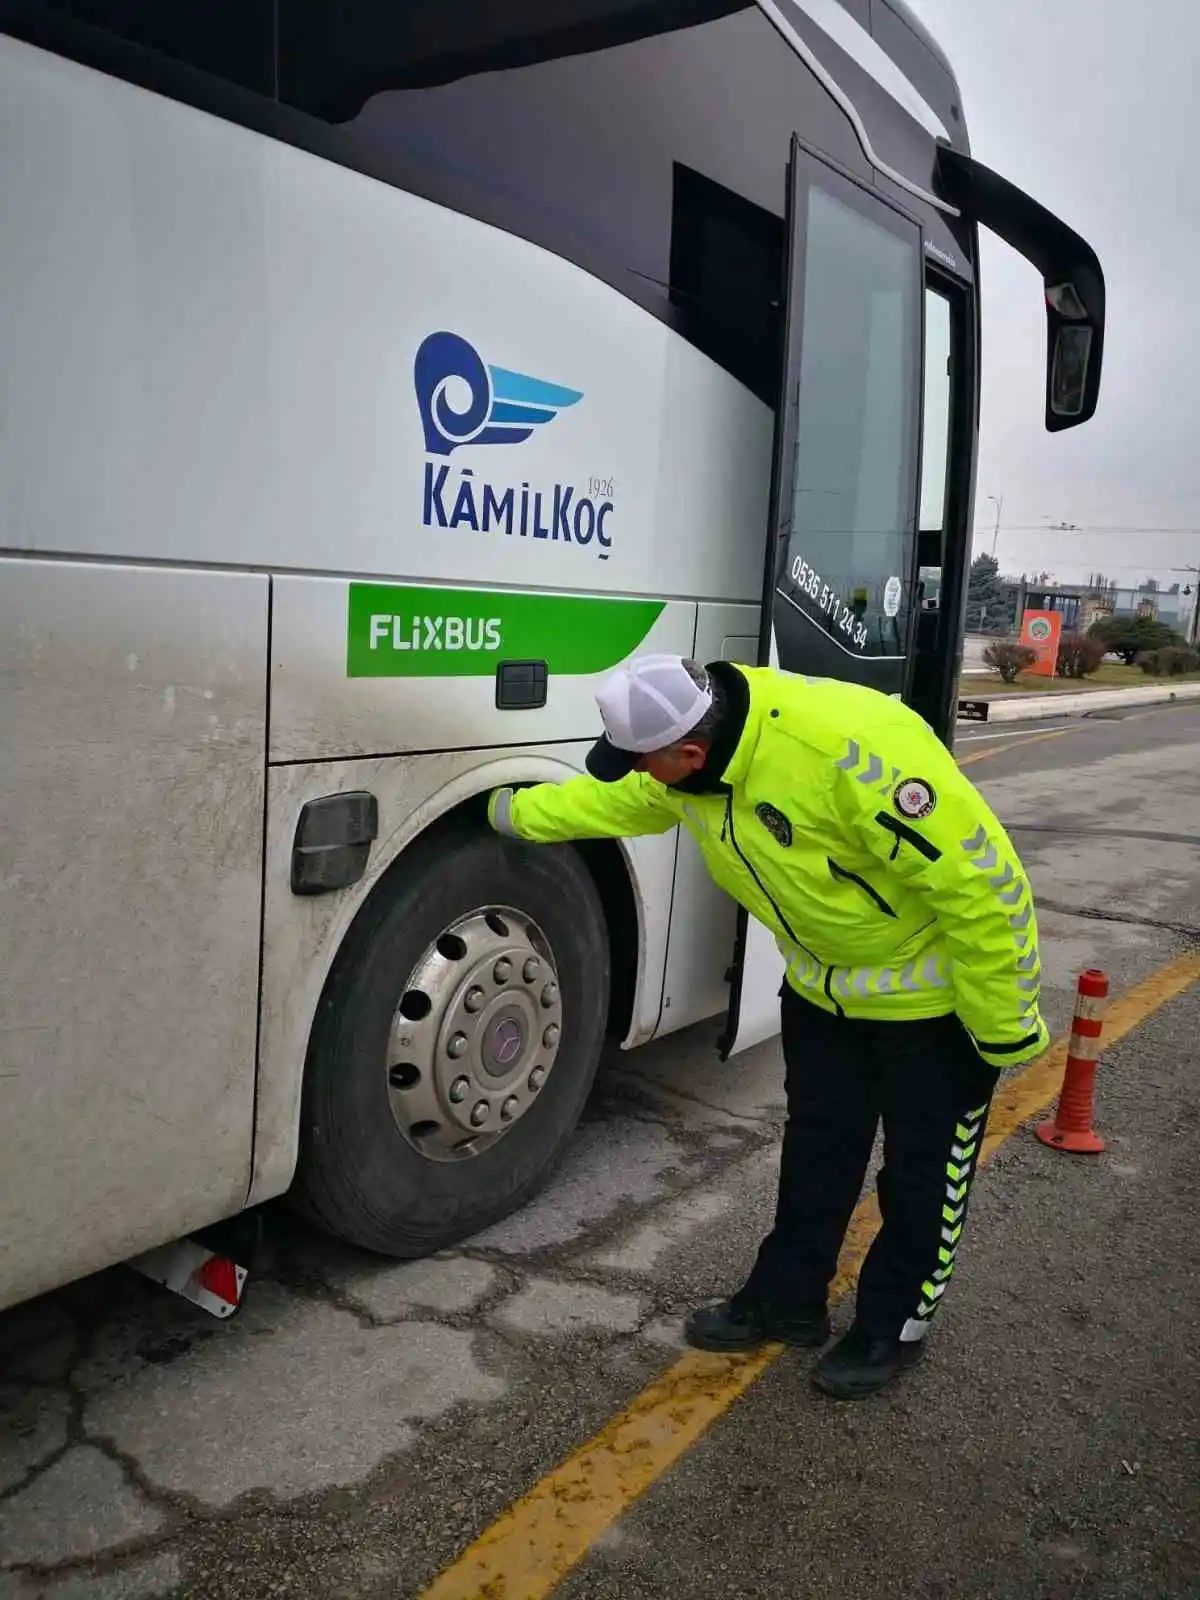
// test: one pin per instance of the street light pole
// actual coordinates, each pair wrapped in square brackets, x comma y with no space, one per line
[1193,633]
[999,503]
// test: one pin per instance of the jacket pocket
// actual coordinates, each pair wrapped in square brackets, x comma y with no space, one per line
[842,875]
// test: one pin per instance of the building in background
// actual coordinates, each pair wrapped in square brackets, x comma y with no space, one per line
[1084,604]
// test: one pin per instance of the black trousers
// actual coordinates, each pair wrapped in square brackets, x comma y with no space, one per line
[927,1084]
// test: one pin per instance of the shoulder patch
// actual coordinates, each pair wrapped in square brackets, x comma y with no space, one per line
[914,798]
[776,824]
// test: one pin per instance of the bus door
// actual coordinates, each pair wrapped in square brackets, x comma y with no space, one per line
[840,593]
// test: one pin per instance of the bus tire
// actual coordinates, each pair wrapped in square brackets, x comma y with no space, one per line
[416,1035]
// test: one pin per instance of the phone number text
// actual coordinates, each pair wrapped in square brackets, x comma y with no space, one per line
[827,601]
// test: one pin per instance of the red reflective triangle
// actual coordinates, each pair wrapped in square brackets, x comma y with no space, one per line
[219,1276]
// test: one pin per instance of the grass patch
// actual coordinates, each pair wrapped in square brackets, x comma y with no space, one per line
[1108,675]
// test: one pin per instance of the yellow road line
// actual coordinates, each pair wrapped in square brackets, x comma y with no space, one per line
[526,1553]
[1022,739]
[996,749]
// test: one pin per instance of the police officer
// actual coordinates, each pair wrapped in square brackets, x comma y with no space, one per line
[835,816]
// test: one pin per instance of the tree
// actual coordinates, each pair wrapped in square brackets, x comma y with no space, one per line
[1079,654]
[988,603]
[1129,637]
[1008,659]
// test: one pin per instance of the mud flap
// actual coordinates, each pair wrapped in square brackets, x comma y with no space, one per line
[206,1269]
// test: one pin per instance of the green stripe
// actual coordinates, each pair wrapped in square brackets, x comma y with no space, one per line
[399,631]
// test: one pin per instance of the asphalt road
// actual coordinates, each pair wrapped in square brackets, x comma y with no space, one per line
[360,1423]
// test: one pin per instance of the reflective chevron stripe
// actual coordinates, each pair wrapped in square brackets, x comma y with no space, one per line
[808,974]
[863,983]
[868,769]
[872,772]
[959,1171]
[1013,894]
[989,860]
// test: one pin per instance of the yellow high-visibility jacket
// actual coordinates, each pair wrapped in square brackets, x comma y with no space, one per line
[846,827]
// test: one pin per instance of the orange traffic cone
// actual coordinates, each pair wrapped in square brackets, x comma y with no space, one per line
[1071,1128]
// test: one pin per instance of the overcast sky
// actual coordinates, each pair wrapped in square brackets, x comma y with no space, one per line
[1090,106]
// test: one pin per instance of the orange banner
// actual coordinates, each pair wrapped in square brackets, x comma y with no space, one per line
[1041,630]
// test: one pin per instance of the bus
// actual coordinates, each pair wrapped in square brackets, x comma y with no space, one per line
[376,378]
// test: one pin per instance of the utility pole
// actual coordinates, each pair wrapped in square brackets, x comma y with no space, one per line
[999,503]
[1193,633]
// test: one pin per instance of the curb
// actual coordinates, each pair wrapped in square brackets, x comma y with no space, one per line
[1031,707]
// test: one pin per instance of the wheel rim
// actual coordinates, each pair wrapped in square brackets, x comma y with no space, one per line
[475,1036]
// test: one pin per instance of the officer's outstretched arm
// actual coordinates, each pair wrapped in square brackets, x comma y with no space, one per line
[937,833]
[582,808]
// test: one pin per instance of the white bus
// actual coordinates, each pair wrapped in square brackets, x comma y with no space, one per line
[375,378]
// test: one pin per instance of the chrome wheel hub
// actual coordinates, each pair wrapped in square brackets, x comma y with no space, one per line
[475,1035]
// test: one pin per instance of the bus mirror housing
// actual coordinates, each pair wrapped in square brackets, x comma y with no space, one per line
[1071,275]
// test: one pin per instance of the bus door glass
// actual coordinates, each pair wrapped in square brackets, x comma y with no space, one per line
[842,598]
[840,592]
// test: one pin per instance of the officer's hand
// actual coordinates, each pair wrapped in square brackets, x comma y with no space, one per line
[500,811]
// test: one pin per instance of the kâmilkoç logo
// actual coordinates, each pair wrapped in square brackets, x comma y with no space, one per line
[463,401]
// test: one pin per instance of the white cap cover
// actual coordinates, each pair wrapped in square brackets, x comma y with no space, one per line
[647,704]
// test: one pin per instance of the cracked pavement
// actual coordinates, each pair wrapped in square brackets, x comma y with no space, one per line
[360,1420]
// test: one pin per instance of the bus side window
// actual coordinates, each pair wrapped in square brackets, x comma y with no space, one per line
[647,149]
[726,275]
[231,39]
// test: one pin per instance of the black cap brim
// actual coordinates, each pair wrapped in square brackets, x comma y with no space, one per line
[608,764]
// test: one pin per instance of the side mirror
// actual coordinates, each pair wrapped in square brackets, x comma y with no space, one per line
[1071,274]
[1072,358]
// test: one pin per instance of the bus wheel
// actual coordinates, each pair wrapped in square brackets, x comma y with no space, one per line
[455,1044]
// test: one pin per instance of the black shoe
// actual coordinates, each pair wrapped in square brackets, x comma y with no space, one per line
[744,1322]
[859,1366]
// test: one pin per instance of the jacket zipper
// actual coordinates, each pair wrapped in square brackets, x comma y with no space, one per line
[853,877]
[829,991]
[770,899]
[787,927]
